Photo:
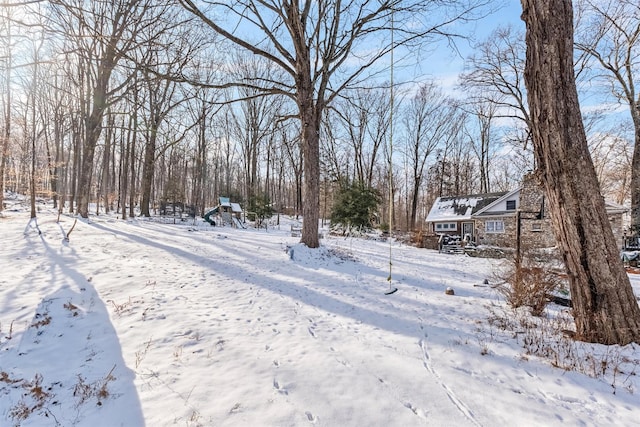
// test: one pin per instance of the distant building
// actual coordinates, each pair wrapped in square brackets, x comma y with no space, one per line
[492,219]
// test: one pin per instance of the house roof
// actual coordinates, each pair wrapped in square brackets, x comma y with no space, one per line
[461,208]
[488,210]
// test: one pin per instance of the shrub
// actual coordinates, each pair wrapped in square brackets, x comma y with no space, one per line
[355,206]
[531,282]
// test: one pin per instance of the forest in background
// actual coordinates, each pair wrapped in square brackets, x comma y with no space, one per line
[129,102]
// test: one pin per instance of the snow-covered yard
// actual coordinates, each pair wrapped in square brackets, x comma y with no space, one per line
[141,322]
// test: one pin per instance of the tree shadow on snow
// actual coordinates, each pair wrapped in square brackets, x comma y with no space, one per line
[364,302]
[68,366]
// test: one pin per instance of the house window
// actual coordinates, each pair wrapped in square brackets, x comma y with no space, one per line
[494,226]
[511,205]
[446,226]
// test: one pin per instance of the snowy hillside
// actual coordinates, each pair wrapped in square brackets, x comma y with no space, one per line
[159,324]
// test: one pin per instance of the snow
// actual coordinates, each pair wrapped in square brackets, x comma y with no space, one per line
[448,208]
[141,322]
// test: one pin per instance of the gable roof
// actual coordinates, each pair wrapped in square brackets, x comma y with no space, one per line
[461,208]
[487,209]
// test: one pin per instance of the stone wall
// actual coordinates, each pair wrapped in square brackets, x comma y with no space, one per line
[536,233]
[537,229]
[617,226]
[430,241]
[503,240]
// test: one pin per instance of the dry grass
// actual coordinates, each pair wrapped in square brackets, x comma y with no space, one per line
[551,338]
[98,389]
[531,282]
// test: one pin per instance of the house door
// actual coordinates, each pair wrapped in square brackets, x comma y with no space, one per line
[467,228]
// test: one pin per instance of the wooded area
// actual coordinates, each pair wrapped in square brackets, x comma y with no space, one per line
[126,106]
[131,104]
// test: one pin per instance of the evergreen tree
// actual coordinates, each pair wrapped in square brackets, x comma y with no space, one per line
[355,206]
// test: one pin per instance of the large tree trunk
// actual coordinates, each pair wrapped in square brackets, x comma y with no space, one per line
[310,114]
[310,122]
[148,170]
[106,161]
[635,174]
[604,306]
[311,161]
[92,135]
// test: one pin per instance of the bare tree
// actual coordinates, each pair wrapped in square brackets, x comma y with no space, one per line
[202,109]
[33,126]
[161,100]
[612,156]
[364,116]
[482,138]
[610,35]
[495,75]
[255,117]
[428,123]
[292,146]
[57,129]
[167,50]
[226,151]
[604,306]
[324,48]
[104,34]
[7,49]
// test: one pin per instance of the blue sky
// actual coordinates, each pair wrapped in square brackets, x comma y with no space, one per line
[444,65]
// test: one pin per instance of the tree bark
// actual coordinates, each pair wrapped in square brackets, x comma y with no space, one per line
[93,126]
[311,160]
[148,169]
[604,306]
[635,173]
[123,174]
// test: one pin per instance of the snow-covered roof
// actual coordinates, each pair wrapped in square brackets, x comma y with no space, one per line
[225,201]
[460,208]
[235,207]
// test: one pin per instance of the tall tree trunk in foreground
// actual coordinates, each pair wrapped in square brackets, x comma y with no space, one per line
[604,306]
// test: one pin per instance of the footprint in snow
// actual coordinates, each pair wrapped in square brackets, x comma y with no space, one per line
[310,417]
[276,385]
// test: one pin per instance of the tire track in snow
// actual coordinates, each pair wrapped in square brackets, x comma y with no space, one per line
[460,405]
